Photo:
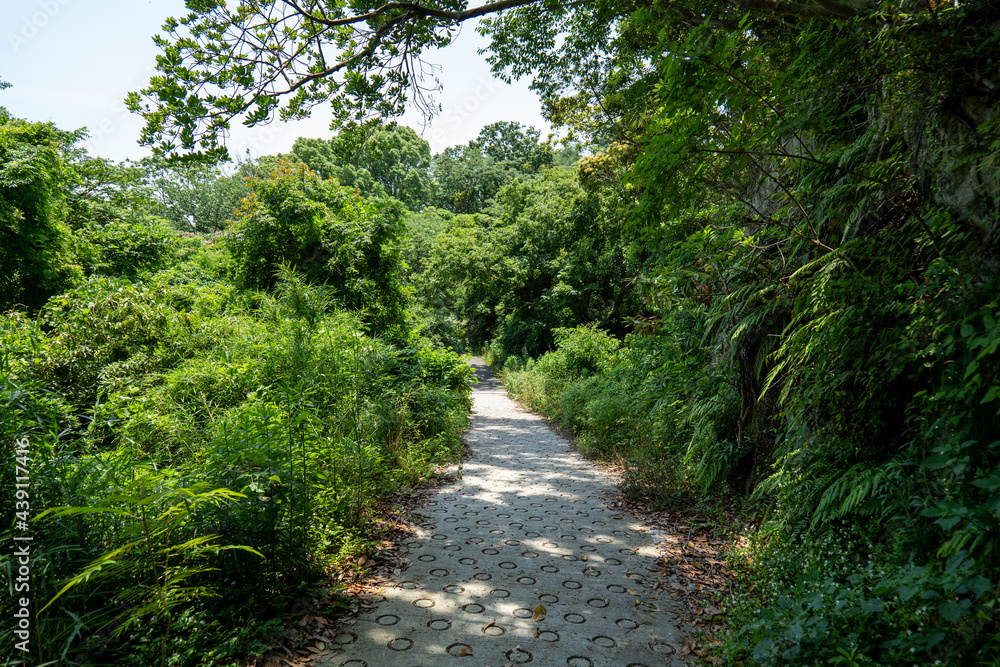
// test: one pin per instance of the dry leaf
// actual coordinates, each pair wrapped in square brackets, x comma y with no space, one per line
[539,614]
[362,560]
[463,651]
[489,625]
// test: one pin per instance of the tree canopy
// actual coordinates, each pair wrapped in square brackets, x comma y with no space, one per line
[256,61]
[389,160]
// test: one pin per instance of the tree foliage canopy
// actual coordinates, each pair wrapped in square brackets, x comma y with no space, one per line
[378,160]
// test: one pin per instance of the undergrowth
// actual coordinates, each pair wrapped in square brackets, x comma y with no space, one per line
[199,454]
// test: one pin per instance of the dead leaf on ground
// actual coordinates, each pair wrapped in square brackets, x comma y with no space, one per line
[539,614]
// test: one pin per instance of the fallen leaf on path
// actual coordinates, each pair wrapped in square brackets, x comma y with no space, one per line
[539,614]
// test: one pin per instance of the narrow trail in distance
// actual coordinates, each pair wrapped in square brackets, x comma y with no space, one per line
[525,563]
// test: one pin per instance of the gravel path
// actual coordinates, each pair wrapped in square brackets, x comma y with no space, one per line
[525,564]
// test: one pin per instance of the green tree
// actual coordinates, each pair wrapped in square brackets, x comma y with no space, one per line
[378,160]
[548,254]
[193,196]
[325,232]
[469,177]
[36,258]
[264,60]
[514,146]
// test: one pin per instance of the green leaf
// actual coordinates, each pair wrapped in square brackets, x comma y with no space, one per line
[873,606]
[763,649]
[937,461]
[951,610]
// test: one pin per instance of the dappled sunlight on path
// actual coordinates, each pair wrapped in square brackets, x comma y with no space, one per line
[525,564]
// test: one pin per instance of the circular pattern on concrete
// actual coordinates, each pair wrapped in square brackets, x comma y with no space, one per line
[400,644]
[459,650]
[518,656]
[494,630]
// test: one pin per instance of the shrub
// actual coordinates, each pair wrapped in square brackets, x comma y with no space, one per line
[126,247]
[328,234]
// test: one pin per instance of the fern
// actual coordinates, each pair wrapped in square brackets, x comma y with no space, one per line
[849,493]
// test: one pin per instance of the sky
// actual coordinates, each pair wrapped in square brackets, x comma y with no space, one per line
[72,62]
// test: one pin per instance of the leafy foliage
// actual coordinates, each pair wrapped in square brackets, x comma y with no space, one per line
[326,232]
[186,431]
[35,244]
[193,196]
[470,177]
[381,161]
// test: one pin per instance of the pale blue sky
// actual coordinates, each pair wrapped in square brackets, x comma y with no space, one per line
[72,62]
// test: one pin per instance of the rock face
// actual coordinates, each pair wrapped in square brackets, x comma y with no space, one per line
[952,156]
[525,564]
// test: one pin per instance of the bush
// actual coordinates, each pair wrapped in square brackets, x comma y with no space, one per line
[275,415]
[836,598]
[126,247]
[328,234]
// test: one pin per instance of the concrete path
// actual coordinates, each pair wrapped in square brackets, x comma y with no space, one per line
[526,564]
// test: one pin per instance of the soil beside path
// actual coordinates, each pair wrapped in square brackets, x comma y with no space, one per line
[525,563]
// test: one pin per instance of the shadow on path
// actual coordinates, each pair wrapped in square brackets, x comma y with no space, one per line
[525,563]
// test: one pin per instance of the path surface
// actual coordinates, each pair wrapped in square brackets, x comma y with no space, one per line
[525,529]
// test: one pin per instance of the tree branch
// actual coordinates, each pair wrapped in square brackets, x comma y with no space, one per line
[415,10]
[826,9]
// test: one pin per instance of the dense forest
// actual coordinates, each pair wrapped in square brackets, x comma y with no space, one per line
[761,271]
